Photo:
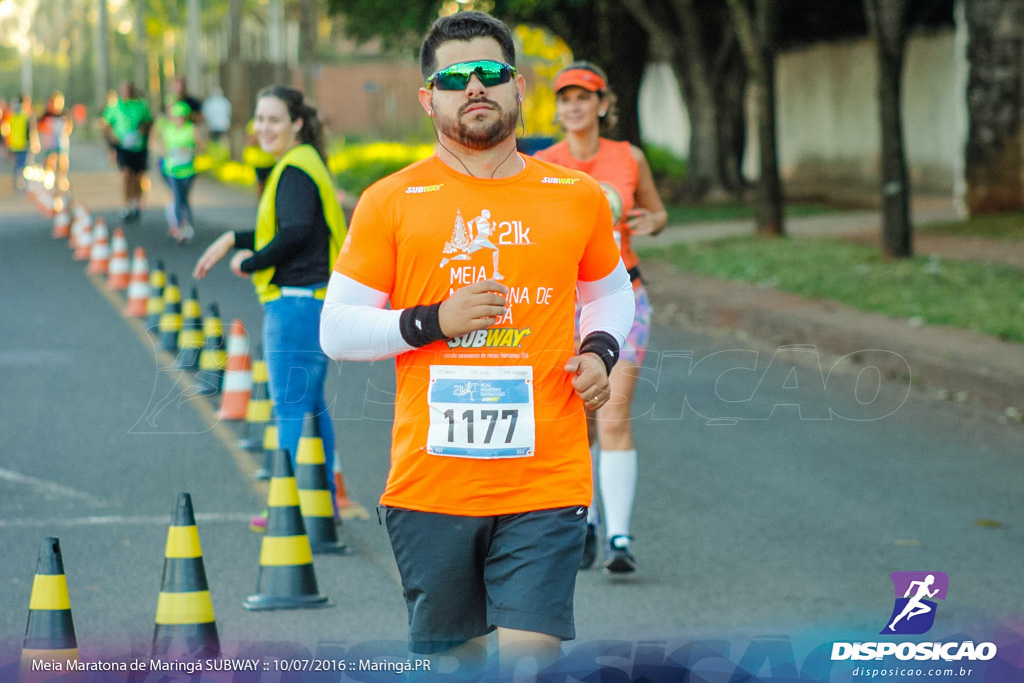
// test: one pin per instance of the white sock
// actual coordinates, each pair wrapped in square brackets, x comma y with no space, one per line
[617,473]
[593,513]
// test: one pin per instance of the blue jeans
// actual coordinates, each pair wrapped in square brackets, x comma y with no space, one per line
[180,188]
[296,370]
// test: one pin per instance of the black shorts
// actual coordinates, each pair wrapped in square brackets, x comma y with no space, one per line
[132,160]
[465,576]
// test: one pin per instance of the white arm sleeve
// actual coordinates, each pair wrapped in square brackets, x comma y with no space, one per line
[355,325]
[608,305]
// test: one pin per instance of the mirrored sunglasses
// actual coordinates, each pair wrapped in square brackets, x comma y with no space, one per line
[456,76]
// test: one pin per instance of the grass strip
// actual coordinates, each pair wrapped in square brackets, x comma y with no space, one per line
[926,290]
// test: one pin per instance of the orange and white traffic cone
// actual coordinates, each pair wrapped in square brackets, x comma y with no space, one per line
[62,224]
[119,270]
[99,254]
[138,287]
[80,217]
[237,385]
[83,241]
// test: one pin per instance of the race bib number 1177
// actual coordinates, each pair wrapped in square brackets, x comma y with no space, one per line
[481,412]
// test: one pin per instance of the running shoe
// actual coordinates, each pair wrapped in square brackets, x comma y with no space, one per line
[589,548]
[620,559]
[186,235]
[259,522]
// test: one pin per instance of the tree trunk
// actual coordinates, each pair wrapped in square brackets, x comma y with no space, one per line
[102,73]
[994,102]
[697,40]
[307,47]
[236,87]
[887,24]
[757,37]
[141,66]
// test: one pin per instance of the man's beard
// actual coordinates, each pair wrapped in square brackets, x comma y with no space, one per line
[478,135]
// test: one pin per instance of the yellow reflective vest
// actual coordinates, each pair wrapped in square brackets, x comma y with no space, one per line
[304,157]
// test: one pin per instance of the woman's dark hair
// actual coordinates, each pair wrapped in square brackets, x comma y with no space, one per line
[312,132]
[611,117]
[464,26]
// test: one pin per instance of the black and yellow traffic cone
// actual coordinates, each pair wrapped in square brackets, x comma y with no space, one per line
[185,625]
[170,319]
[314,490]
[259,410]
[155,303]
[50,633]
[287,579]
[270,444]
[213,358]
[190,337]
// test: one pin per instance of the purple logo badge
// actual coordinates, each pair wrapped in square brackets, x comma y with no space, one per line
[916,592]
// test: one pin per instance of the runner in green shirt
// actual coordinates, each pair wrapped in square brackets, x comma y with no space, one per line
[126,125]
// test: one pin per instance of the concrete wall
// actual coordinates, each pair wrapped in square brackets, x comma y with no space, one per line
[828,131]
[377,99]
[828,128]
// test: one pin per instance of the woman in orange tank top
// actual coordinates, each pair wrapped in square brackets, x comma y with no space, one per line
[585,109]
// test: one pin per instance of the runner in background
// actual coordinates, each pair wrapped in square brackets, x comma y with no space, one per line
[19,131]
[177,142]
[585,108]
[126,124]
[479,251]
[55,126]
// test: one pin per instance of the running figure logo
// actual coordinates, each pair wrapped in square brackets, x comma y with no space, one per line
[914,612]
[469,238]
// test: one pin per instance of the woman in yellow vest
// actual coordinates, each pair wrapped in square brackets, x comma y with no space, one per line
[299,231]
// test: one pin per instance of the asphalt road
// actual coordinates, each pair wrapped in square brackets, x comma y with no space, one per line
[775,495]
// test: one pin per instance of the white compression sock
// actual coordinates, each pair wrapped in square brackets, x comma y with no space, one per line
[617,473]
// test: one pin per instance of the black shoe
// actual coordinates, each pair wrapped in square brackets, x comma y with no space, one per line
[131,215]
[589,548]
[620,560]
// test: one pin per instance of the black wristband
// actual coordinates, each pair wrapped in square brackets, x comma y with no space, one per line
[604,345]
[421,325]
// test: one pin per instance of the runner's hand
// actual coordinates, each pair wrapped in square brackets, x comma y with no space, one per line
[473,307]
[590,379]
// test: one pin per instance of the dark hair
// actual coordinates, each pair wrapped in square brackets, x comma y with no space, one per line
[464,26]
[311,133]
[607,122]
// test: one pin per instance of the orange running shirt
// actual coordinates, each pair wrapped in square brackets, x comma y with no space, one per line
[427,230]
[615,168]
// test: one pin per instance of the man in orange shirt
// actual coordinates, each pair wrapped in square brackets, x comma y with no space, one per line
[490,475]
